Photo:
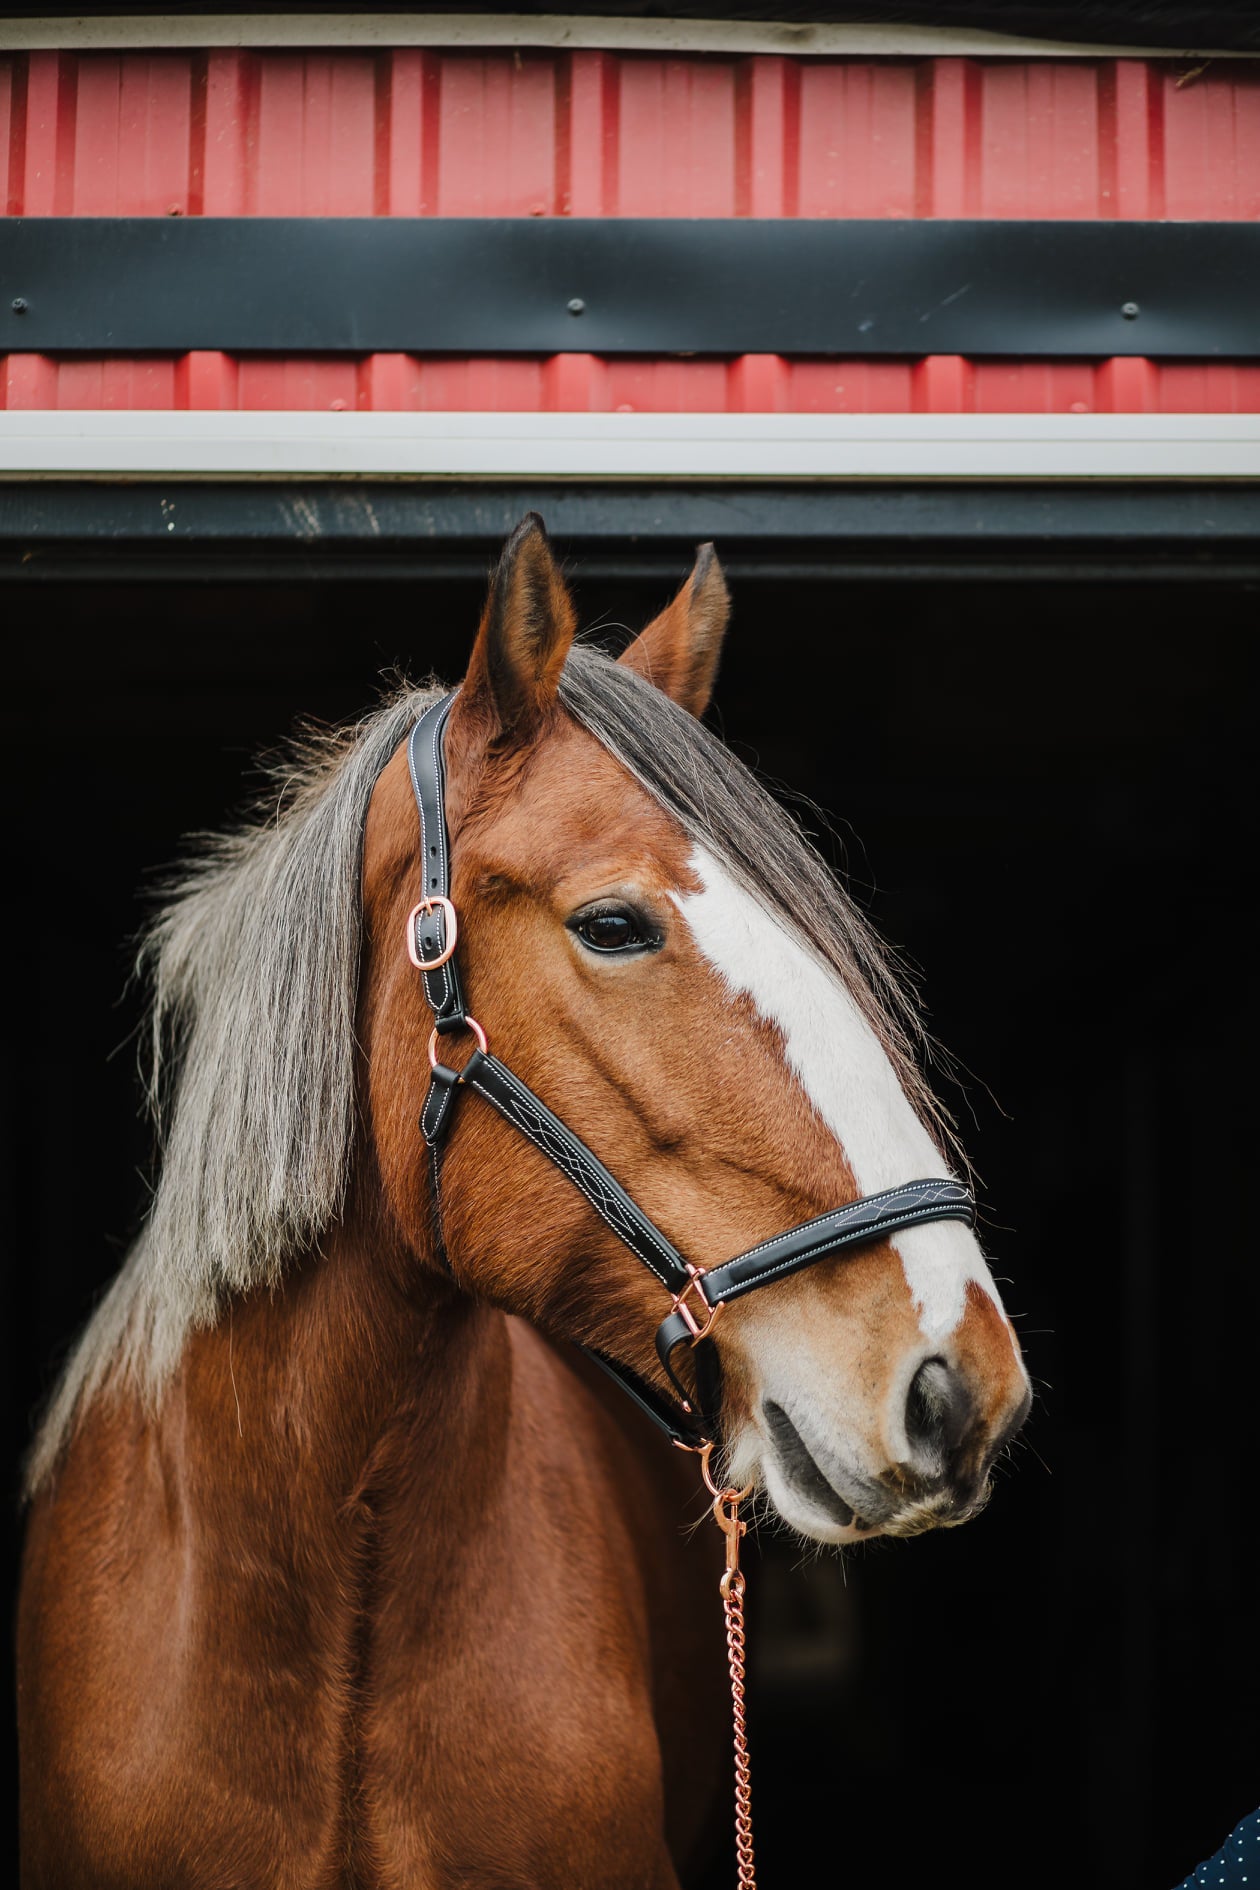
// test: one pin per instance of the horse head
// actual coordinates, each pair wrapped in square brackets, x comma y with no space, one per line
[648,942]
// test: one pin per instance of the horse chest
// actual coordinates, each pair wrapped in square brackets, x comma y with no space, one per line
[514,1749]
[514,1726]
[398,1704]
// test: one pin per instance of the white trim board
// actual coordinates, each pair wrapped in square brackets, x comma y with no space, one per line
[151,31]
[733,447]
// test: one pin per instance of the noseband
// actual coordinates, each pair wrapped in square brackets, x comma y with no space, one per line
[697,1295]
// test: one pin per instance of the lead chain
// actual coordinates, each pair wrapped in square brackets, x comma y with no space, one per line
[733,1601]
[726,1502]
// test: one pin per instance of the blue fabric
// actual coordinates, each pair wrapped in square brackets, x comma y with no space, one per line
[1237,1861]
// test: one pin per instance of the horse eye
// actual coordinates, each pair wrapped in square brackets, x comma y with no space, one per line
[611,931]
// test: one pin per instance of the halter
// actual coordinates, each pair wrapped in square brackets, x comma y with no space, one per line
[697,1295]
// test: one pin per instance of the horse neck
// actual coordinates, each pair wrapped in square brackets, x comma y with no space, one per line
[362,1373]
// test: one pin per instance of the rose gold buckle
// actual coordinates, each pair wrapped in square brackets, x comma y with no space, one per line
[452,933]
[697,1331]
[470,1023]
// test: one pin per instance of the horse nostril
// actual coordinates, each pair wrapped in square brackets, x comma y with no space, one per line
[938,1409]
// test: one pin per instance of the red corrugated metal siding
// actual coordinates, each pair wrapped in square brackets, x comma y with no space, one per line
[416,133]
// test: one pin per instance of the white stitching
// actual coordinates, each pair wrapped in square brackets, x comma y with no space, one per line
[877,1232]
[574,1169]
[574,1176]
[438,1101]
[850,1209]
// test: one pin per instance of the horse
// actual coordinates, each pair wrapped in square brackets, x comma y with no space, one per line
[344,1564]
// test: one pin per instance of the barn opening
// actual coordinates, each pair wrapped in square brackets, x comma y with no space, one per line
[1032,752]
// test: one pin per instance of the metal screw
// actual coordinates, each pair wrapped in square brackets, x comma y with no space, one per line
[1130,311]
[19,305]
[577,306]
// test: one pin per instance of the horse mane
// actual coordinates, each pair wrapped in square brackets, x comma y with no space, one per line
[253,967]
[253,964]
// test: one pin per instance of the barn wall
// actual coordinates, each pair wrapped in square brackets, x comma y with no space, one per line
[541,133]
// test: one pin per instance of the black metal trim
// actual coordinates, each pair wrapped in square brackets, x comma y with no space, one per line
[724,286]
[386,529]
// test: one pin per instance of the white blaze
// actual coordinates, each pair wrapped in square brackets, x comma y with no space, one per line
[843,1069]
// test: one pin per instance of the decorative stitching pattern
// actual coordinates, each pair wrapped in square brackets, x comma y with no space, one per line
[871,1206]
[862,1230]
[437,1106]
[558,1143]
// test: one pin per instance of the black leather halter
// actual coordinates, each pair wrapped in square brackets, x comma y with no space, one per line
[697,1294]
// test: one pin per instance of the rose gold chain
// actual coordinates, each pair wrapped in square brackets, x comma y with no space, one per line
[726,1502]
[733,1602]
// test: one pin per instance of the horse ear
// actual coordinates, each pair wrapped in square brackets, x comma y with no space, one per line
[526,631]
[679,650]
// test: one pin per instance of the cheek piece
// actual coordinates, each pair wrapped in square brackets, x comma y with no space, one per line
[697,1295]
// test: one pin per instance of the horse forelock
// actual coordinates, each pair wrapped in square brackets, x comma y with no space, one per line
[254,968]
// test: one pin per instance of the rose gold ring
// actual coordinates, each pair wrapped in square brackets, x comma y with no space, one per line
[452,933]
[726,1494]
[679,1305]
[470,1023]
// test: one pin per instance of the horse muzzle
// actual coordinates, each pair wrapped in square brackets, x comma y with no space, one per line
[939,1480]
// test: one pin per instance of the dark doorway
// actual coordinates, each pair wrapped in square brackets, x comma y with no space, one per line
[1039,791]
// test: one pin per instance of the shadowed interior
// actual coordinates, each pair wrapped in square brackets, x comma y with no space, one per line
[1066,803]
